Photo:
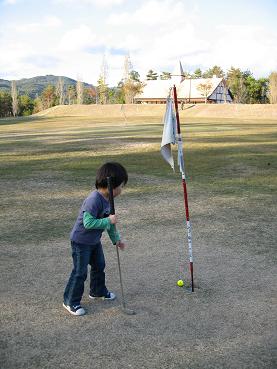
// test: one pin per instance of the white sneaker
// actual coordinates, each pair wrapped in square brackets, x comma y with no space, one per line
[109,296]
[75,310]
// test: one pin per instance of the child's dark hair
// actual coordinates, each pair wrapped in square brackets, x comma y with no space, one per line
[114,170]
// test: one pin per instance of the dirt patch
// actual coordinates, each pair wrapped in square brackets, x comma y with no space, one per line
[226,323]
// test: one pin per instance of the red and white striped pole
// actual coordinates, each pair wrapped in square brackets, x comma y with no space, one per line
[180,148]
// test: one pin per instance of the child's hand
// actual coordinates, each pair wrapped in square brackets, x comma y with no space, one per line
[121,245]
[113,219]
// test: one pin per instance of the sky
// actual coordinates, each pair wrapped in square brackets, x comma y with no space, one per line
[72,37]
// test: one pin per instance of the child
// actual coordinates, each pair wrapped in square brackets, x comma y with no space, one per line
[94,217]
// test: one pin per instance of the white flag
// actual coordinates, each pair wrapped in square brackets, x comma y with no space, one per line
[169,133]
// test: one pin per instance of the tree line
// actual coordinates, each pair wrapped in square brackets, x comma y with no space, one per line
[244,88]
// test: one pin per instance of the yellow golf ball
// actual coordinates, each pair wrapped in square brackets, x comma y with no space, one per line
[180,283]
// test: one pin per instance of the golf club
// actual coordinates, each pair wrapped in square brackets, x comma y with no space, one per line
[112,211]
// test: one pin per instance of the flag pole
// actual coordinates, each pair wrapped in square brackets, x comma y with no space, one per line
[180,151]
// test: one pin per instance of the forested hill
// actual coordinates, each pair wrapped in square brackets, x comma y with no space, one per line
[33,87]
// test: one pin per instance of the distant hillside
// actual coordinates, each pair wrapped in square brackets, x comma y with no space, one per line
[34,86]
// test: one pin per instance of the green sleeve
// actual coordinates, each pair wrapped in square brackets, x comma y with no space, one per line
[92,223]
[113,234]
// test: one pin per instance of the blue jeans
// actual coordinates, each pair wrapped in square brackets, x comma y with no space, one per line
[83,255]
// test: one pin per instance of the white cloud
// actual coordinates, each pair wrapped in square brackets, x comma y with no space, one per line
[247,47]
[105,2]
[47,22]
[100,3]
[78,39]
[10,2]
[154,13]
[52,21]
[157,33]
[160,32]
[29,47]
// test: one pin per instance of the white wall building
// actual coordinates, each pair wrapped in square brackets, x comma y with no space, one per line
[190,90]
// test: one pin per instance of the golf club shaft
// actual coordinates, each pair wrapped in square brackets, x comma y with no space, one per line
[112,211]
[120,278]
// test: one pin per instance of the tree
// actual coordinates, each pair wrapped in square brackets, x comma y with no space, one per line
[80,91]
[116,94]
[134,76]
[102,87]
[237,85]
[264,90]
[38,106]
[14,99]
[256,90]
[214,71]
[102,91]
[131,87]
[60,90]
[205,89]
[89,95]
[165,76]
[128,67]
[273,88]
[197,73]
[71,94]
[48,97]
[6,109]
[151,75]
[26,105]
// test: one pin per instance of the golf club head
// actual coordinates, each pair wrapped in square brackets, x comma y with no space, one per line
[189,289]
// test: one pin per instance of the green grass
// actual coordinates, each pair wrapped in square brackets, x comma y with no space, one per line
[48,165]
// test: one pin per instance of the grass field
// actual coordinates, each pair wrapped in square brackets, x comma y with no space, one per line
[48,167]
